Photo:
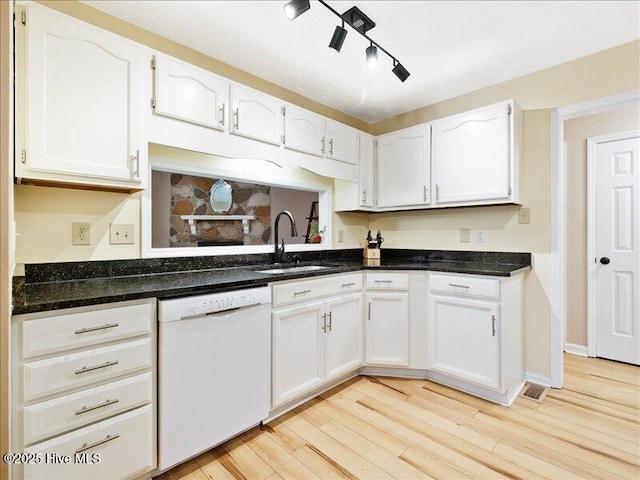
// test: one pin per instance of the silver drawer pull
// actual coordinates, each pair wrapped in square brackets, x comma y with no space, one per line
[493,325]
[95,329]
[88,446]
[458,286]
[350,284]
[383,281]
[106,403]
[301,292]
[96,367]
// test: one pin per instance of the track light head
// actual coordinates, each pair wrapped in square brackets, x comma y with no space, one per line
[400,72]
[339,34]
[372,57]
[295,8]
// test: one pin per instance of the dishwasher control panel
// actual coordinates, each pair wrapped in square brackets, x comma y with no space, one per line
[180,308]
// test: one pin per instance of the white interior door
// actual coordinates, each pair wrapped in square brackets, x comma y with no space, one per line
[617,246]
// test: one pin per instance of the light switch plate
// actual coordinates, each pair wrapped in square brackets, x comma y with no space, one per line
[340,236]
[465,235]
[480,236]
[524,215]
[121,233]
[80,233]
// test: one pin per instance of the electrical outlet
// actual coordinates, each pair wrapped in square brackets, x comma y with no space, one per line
[480,236]
[80,233]
[524,215]
[340,236]
[121,233]
[465,235]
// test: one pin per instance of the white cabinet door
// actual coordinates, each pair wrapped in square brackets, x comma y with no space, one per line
[464,340]
[298,351]
[83,100]
[304,131]
[403,168]
[471,156]
[342,142]
[186,92]
[343,337]
[366,181]
[388,329]
[256,115]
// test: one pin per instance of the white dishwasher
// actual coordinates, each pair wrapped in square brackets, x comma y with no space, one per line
[214,370]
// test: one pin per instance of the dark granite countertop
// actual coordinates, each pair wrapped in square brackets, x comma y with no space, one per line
[65,285]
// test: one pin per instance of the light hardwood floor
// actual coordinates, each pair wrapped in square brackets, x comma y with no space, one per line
[405,429]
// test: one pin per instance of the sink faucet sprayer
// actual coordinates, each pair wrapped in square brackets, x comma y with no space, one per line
[279,250]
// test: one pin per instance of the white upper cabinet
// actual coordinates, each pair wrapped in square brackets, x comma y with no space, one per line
[256,115]
[79,103]
[186,92]
[403,172]
[367,171]
[342,142]
[473,156]
[304,131]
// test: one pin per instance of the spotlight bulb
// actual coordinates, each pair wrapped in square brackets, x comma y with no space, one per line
[295,8]
[400,72]
[339,34]
[372,57]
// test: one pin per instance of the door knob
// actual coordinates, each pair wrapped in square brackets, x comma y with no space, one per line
[605,261]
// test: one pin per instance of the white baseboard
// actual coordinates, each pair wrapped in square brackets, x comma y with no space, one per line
[539,379]
[574,349]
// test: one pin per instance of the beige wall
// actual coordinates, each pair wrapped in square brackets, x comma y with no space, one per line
[161,211]
[6,220]
[576,132]
[298,202]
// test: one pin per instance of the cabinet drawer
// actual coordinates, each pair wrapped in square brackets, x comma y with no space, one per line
[56,374]
[301,291]
[465,286]
[64,332]
[387,281]
[65,413]
[124,443]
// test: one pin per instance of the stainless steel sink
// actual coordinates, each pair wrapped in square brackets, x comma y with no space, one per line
[305,268]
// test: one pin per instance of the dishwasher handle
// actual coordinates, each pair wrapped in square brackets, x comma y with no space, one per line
[220,312]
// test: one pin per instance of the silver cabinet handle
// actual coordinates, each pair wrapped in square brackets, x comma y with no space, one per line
[324,322]
[437,192]
[106,403]
[322,143]
[331,147]
[96,367]
[301,292]
[493,325]
[330,322]
[383,281]
[364,195]
[369,315]
[236,118]
[95,329]
[350,284]
[88,446]
[222,114]
[457,285]
[135,165]
[424,193]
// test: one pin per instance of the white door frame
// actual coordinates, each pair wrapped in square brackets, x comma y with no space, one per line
[558,217]
[592,269]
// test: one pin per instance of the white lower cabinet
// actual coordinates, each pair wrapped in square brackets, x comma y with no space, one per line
[475,334]
[315,342]
[388,329]
[83,383]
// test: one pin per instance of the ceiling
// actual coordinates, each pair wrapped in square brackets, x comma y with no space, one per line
[449,47]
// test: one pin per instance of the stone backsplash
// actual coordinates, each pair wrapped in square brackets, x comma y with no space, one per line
[190,196]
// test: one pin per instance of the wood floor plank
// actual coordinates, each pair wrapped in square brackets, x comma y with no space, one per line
[343,456]
[372,427]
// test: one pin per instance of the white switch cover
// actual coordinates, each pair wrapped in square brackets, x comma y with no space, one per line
[524,215]
[121,233]
[480,236]
[80,233]
[465,235]
[340,236]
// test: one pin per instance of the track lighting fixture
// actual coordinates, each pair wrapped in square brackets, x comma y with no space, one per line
[337,40]
[356,20]
[372,57]
[295,8]
[400,71]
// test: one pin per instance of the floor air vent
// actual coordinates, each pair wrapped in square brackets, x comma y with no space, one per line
[535,392]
